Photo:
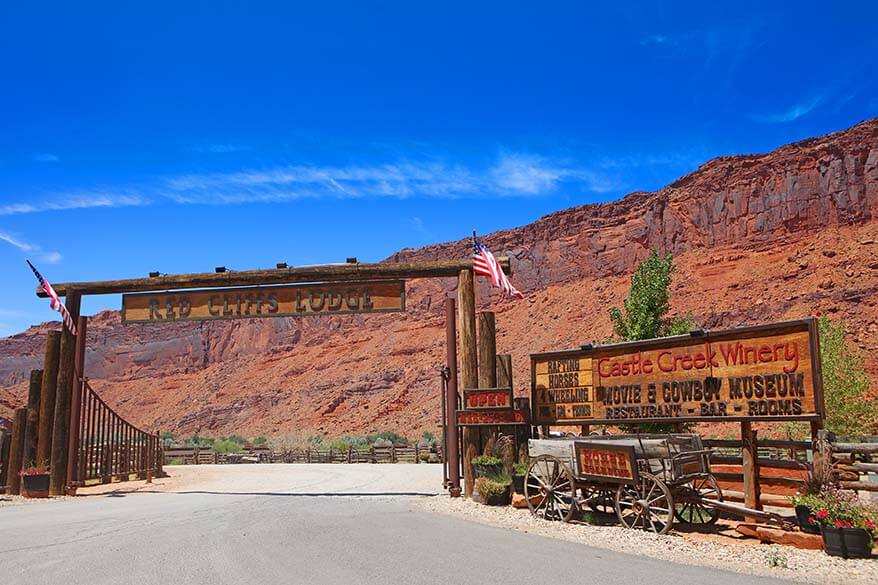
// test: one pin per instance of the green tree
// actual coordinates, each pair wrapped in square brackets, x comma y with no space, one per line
[645,311]
[645,315]
[849,410]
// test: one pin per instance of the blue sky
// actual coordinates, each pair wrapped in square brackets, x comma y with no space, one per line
[177,136]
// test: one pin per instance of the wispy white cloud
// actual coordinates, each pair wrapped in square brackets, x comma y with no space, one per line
[509,175]
[61,202]
[219,148]
[45,157]
[656,40]
[793,113]
[28,248]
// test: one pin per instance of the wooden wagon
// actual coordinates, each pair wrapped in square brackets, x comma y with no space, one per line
[648,480]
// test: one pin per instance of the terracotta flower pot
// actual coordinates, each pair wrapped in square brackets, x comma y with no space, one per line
[848,543]
[35,486]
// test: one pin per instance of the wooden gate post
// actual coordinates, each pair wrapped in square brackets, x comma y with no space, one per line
[32,421]
[5,439]
[750,468]
[16,449]
[63,399]
[48,387]
[451,456]
[469,374]
[487,344]
[79,380]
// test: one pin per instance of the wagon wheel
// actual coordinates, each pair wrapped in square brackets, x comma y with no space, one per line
[647,504]
[694,512]
[549,489]
[599,500]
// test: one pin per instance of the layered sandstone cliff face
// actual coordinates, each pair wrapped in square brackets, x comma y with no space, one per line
[756,238]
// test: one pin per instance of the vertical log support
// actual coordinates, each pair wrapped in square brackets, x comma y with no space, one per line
[16,450]
[452,441]
[32,421]
[72,476]
[48,387]
[750,467]
[487,348]
[63,399]
[5,439]
[469,374]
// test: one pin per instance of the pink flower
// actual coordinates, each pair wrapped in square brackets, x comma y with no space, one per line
[822,514]
[847,524]
[870,524]
[839,524]
[811,520]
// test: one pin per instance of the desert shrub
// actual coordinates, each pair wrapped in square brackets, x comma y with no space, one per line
[488,487]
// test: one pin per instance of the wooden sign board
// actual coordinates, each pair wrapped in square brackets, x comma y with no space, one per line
[604,461]
[487,398]
[477,418]
[276,301]
[769,372]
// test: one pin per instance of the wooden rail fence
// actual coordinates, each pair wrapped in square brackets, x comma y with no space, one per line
[394,454]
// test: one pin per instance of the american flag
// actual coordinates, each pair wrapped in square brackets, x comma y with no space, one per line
[54,301]
[485,264]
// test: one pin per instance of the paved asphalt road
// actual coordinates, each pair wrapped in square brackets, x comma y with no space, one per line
[299,536]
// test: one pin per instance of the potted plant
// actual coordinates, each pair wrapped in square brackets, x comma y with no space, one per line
[494,491]
[849,527]
[806,506]
[35,481]
[519,471]
[487,465]
[820,478]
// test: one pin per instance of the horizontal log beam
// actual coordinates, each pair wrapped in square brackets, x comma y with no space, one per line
[861,448]
[293,274]
[866,486]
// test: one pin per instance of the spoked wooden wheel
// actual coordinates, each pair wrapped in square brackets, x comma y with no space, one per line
[549,489]
[690,510]
[647,505]
[599,500]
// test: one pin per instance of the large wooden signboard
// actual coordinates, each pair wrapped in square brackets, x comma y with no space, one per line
[273,301]
[769,372]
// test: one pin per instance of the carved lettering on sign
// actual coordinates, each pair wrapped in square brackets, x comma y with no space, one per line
[767,372]
[275,301]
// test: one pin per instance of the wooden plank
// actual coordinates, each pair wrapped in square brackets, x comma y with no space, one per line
[322,273]
[487,344]
[859,448]
[255,302]
[753,373]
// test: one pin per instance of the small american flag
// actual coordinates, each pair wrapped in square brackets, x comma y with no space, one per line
[485,264]
[54,301]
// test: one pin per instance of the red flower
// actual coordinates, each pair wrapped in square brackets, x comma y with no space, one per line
[822,514]
[839,524]
[870,524]
[847,524]
[811,520]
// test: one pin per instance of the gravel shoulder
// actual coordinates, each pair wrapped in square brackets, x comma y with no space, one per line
[745,556]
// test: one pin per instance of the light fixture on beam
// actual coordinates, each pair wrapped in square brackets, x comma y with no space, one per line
[282,265]
[154,274]
[220,269]
[351,260]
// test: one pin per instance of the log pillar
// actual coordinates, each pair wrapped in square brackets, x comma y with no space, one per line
[63,399]
[469,374]
[487,350]
[504,370]
[451,456]
[16,450]
[32,421]
[72,475]
[48,387]
[5,439]
[750,468]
